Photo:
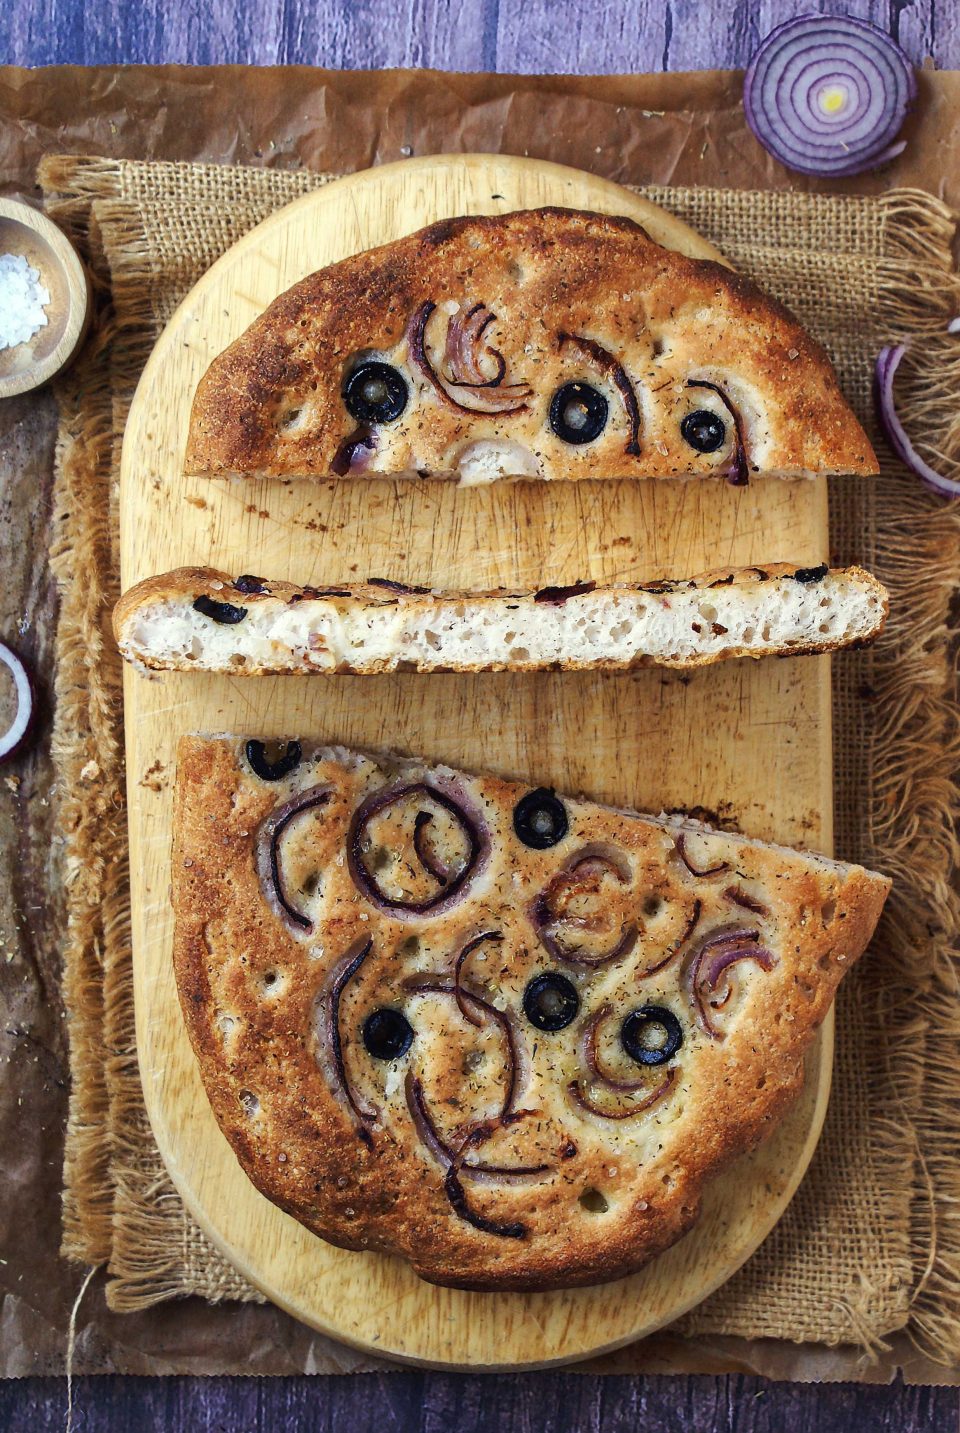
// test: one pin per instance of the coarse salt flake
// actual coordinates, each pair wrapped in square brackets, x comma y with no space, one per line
[23,300]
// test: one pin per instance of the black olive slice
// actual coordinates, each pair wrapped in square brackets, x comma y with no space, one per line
[648,1019]
[387,1034]
[703,430]
[578,413]
[247,584]
[540,819]
[268,770]
[375,392]
[551,1002]
[223,612]
[811,574]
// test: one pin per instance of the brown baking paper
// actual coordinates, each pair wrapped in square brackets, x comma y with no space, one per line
[678,129]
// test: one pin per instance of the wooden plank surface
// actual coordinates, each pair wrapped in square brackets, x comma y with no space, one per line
[519,36]
[632,35]
[553,1402]
[752,740]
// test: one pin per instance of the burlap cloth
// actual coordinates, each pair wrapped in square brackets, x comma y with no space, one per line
[871,1242]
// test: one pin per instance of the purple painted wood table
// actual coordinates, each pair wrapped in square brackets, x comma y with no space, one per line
[585,36]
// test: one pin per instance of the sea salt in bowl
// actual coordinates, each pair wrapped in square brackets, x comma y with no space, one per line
[26,232]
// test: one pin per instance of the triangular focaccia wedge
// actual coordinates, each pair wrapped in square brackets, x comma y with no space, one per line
[198,619]
[542,344]
[503,1034]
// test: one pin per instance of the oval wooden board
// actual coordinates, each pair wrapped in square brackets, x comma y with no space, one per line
[749,740]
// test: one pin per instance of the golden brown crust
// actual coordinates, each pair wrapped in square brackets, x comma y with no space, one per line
[182,587]
[271,403]
[255,989]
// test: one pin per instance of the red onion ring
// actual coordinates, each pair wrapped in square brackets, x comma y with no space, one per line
[678,944]
[739,897]
[597,856]
[267,852]
[681,849]
[499,401]
[427,986]
[462,350]
[455,887]
[828,95]
[888,361]
[329,1030]
[738,473]
[578,1093]
[719,952]
[590,1057]
[595,353]
[354,453]
[430,1137]
[468,950]
[16,733]
[425,856]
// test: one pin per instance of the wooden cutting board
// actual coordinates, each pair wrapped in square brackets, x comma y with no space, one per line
[749,741]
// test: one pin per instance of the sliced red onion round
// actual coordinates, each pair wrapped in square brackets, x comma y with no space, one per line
[593,859]
[465,953]
[692,922]
[888,361]
[580,1095]
[681,848]
[828,95]
[15,734]
[487,397]
[450,1162]
[328,1032]
[267,853]
[453,887]
[711,963]
[737,896]
[589,1056]
[464,349]
[425,855]
[427,985]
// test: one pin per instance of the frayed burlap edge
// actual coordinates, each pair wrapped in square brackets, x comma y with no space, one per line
[86,750]
[916,759]
[913,802]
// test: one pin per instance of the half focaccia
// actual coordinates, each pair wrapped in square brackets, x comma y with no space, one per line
[546,344]
[198,619]
[503,1034]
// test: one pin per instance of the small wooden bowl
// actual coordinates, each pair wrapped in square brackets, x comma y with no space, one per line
[25,230]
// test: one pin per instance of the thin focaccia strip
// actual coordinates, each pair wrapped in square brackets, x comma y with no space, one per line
[421,1004]
[547,344]
[200,619]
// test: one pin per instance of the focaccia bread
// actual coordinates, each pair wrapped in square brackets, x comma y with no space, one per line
[505,1035]
[199,619]
[545,344]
